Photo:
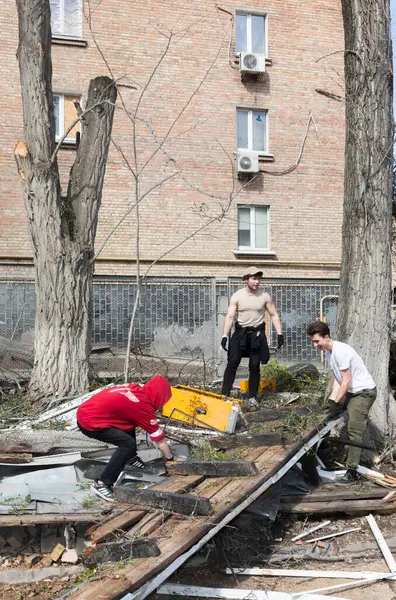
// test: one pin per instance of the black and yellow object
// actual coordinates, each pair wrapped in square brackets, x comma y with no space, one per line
[202,408]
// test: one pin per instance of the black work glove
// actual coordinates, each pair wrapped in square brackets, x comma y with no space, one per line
[281,341]
[334,409]
[223,342]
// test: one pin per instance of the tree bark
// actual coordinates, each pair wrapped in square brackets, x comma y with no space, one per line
[62,229]
[364,310]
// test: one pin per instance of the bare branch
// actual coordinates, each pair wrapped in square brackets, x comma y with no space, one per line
[187,104]
[340,52]
[330,95]
[130,209]
[295,165]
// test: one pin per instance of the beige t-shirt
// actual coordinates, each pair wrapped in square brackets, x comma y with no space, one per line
[251,307]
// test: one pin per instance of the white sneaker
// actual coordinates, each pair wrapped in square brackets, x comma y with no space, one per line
[103,491]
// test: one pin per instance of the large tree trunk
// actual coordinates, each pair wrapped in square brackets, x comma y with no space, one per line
[62,229]
[364,311]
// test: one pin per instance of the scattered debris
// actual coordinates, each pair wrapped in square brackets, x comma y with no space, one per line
[309,531]
[332,535]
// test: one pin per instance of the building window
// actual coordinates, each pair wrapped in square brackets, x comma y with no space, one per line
[252,130]
[65,113]
[251,33]
[253,228]
[66,18]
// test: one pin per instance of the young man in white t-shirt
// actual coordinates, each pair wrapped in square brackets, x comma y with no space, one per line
[353,389]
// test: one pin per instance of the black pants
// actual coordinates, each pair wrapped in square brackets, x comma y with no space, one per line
[126,442]
[235,355]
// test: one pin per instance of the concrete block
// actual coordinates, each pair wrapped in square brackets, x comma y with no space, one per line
[70,556]
[57,552]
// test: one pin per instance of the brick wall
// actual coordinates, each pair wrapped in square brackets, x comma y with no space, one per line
[305,205]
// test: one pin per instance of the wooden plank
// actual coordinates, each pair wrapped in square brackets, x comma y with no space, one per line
[339,506]
[24,520]
[124,550]
[383,546]
[146,526]
[190,534]
[129,516]
[226,468]
[15,459]
[242,441]
[332,495]
[11,446]
[184,504]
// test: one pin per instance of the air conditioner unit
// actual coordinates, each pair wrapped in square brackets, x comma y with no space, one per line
[250,62]
[247,162]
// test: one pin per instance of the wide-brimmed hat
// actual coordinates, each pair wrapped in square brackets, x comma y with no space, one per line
[251,272]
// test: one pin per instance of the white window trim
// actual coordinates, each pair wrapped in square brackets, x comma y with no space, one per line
[61,34]
[249,14]
[252,248]
[67,140]
[250,110]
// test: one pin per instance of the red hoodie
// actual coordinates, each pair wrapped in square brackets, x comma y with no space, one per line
[126,406]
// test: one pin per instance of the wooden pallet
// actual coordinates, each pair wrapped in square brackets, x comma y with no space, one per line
[175,534]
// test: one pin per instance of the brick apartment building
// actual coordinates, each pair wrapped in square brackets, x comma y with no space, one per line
[212,114]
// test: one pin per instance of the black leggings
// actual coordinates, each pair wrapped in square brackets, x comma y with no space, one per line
[126,442]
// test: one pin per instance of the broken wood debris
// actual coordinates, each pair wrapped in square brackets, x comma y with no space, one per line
[184,504]
[208,468]
[390,561]
[332,535]
[304,534]
[123,550]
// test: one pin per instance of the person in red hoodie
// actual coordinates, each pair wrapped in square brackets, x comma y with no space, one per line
[112,415]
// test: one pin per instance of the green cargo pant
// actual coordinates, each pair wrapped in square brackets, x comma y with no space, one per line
[358,406]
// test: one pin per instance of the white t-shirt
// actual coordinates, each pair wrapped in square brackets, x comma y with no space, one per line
[341,357]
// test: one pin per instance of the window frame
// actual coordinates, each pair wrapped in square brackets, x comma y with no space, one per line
[58,138]
[66,36]
[250,110]
[250,14]
[252,248]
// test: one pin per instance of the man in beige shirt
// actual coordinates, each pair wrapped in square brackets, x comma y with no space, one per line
[248,340]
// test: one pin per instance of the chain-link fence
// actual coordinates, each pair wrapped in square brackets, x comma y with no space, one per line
[179,321]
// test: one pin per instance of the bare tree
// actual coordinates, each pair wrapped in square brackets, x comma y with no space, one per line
[364,311]
[62,228]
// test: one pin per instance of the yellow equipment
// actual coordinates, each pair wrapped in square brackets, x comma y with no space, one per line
[265,384]
[202,409]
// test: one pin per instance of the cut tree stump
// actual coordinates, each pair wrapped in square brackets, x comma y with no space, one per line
[231,468]
[184,504]
[115,551]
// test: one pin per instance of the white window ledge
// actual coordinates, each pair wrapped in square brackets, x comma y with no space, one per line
[253,252]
